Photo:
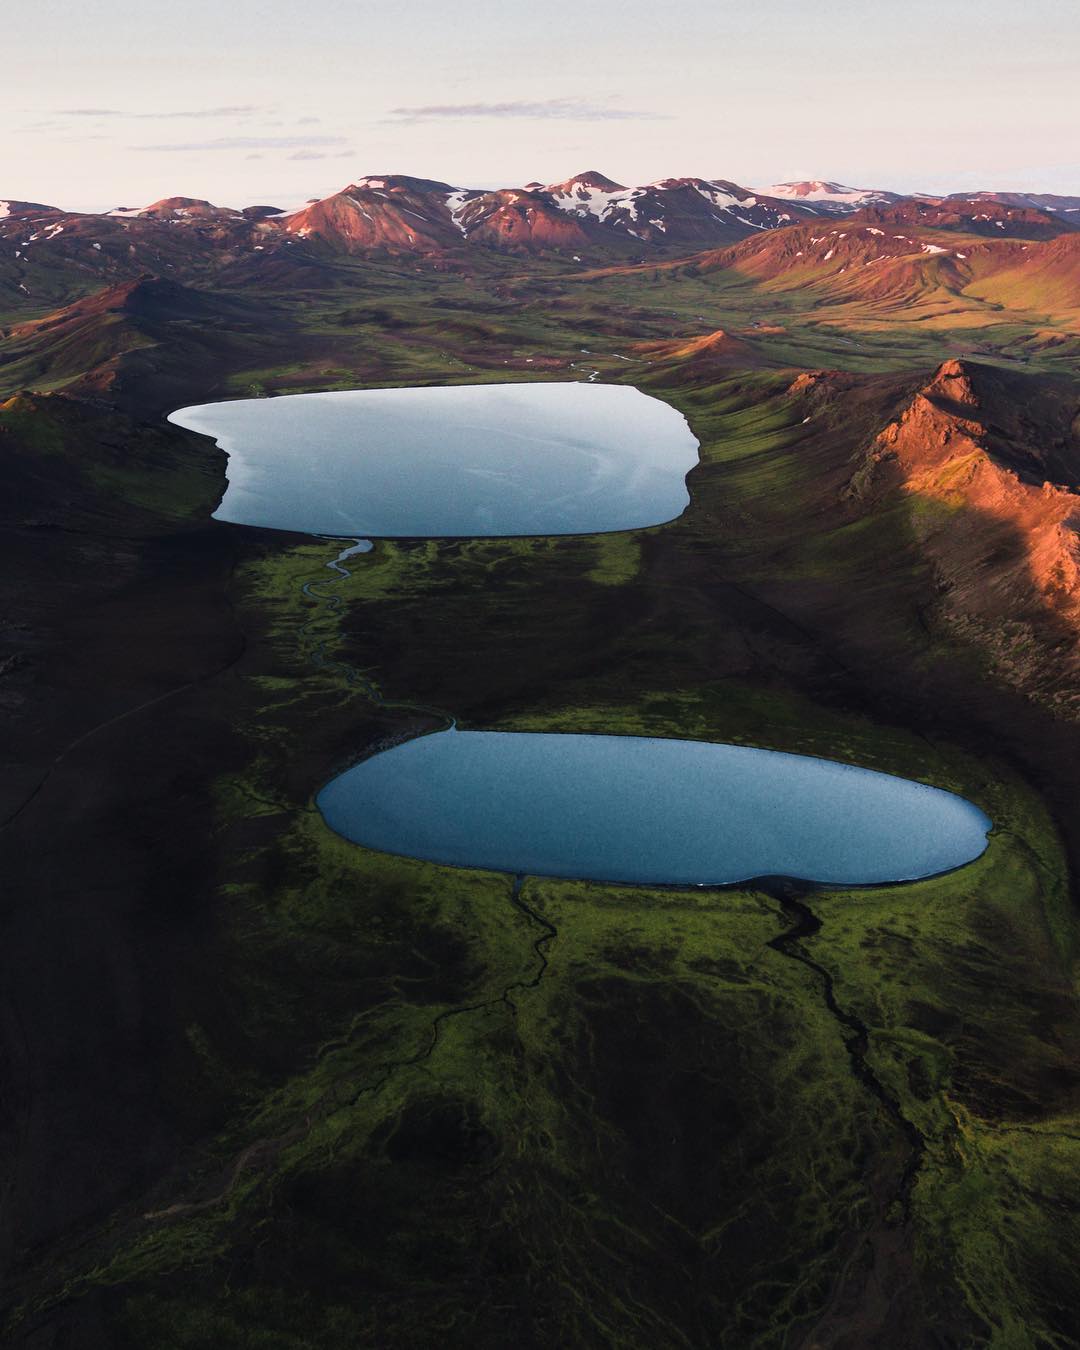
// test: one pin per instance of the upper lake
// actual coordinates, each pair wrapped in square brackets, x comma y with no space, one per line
[641,809]
[462,460]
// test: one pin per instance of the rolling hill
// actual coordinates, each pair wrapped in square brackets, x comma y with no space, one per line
[899,261]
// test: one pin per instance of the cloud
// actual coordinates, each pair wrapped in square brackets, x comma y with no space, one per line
[558,109]
[245,143]
[236,110]
[319,154]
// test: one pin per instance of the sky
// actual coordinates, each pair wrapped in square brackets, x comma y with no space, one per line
[121,102]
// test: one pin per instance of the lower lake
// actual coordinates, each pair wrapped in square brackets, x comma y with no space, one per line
[462,460]
[638,809]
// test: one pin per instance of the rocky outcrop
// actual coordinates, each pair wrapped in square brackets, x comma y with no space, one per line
[716,348]
[1001,534]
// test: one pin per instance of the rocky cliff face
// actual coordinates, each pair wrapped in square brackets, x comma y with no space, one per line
[990,466]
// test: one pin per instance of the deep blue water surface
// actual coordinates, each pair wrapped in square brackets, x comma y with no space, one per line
[634,809]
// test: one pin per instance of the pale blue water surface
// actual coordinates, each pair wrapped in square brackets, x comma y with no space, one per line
[636,809]
[464,460]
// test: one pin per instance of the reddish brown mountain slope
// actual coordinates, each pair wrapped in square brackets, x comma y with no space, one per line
[990,460]
[514,218]
[710,350]
[1043,276]
[972,216]
[672,211]
[900,267]
[1044,201]
[148,297]
[395,213]
[102,343]
[580,188]
[178,209]
[401,214]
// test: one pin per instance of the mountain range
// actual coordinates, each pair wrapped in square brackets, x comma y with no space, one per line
[585,219]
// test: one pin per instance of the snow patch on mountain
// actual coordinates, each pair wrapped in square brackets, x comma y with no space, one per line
[835,198]
[455,204]
[583,199]
[819,191]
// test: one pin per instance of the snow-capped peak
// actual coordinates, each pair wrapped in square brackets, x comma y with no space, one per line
[836,195]
[718,191]
[817,190]
[590,180]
